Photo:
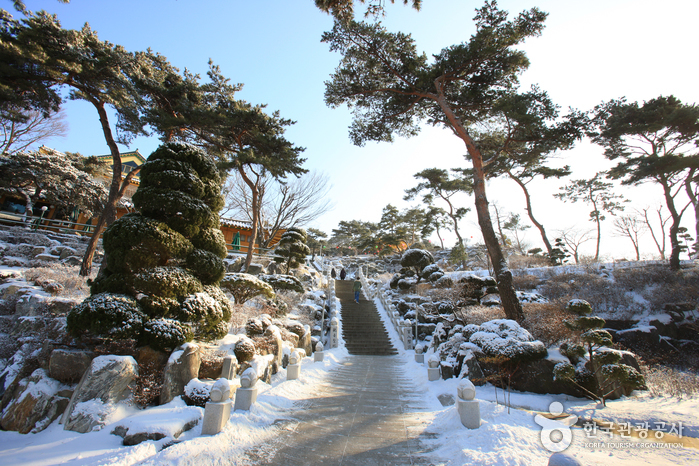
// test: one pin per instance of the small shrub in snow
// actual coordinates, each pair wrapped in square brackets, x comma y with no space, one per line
[197,393]
[107,315]
[244,350]
[283,282]
[244,286]
[292,249]
[165,334]
[607,371]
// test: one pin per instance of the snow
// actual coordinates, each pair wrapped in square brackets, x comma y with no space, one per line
[507,436]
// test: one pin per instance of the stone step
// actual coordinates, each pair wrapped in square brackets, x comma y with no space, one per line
[362,328]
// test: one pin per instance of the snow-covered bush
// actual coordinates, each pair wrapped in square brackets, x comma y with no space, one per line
[167,258]
[244,286]
[292,249]
[609,375]
[283,282]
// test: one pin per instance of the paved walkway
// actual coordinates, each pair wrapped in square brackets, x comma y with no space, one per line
[367,412]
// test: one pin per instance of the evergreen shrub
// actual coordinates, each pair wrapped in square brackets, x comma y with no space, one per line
[163,264]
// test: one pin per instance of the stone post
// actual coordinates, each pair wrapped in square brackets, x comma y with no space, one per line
[419,355]
[230,367]
[433,369]
[407,334]
[319,353]
[468,408]
[246,395]
[294,368]
[218,410]
[334,332]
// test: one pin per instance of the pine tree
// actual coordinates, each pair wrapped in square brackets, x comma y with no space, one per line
[292,248]
[159,284]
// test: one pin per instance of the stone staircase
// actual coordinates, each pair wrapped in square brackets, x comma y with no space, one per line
[362,327]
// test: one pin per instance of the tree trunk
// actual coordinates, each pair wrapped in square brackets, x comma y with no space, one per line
[675,227]
[695,203]
[255,216]
[109,212]
[508,295]
[538,225]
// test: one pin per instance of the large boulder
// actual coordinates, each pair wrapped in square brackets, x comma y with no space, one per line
[182,366]
[38,401]
[107,382]
[68,366]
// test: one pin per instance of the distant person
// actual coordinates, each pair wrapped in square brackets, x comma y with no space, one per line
[357,288]
[332,273]
[343,274]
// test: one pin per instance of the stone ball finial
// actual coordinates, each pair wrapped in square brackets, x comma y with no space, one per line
[249,378]
[433,362]
[419,349]
[335,322]
[294,358]
[466,390]
[319,346]
[220,391]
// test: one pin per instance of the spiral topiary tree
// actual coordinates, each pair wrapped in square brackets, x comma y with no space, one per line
[603,373]
[159,282]
[292,248]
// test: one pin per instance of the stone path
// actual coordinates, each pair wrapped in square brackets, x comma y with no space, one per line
[367,412]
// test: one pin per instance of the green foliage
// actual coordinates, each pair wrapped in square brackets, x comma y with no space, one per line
[137,242]
[603,374]
[167,258]
[207,266]
[292,248]
[283,282]
[244,286]
[579,307]
[107,315]
[164,334]
[166,282]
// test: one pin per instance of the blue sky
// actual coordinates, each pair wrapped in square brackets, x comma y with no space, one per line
[589,52]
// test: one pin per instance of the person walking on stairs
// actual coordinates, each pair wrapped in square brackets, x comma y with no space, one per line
[357,289]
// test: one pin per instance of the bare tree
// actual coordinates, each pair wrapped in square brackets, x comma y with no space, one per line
[17,136]
[513,224]
[631,227]
[659,238]
[574,238]
[297,202]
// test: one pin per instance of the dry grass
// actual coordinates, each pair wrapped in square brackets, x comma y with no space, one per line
[545,321]
[526,282]
[74,286]
[670,382]
[659,285]
[479,314]
[600,292]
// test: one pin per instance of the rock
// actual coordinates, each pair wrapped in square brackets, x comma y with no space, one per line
[37,403]
[471,369]
[30,305]
[182,366]
[73,261]
[68,366]
[537,377]
[61,306]
[106,382]
[563,459]
[47,258]
[639,338]
[305,341]
[255,269]
[157,423]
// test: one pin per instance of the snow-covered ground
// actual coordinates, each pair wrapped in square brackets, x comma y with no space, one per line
[506,437]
